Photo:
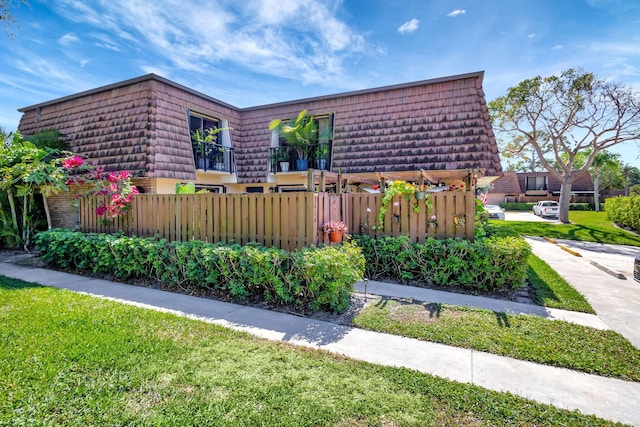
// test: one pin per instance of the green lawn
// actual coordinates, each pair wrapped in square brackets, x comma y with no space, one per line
[586,226]
[522,337]
[74,360]
[551,290]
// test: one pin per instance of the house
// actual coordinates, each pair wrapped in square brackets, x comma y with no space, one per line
[536,186]
[145,126]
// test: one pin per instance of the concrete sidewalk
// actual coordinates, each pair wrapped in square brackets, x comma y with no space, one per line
[605,397]
[616,301]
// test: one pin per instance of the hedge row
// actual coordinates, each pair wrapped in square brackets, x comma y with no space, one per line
[489,265]
[517,206]
[624,211]
[310,279]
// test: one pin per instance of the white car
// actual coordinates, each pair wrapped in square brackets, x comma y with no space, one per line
[495,211]
[547,208]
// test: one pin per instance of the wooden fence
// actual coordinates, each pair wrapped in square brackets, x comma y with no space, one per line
[284,220]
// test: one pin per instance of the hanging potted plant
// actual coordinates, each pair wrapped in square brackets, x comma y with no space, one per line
[394,188]
[300,133]
[335,229]
[420,192]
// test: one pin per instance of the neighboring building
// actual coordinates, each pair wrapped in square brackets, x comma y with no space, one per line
[144,125]
[537,186]
[504,189]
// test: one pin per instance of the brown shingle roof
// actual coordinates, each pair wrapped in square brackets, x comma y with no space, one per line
[507,184]
[140,125]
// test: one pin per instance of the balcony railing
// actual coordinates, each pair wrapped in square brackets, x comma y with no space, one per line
[214,157]
[285,159]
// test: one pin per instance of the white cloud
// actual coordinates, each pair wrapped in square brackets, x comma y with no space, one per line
[409,26]
[67,39]
[84,62]
[456,12]
[105,42]
[558,47]
[266,36]
[532,36]
[617,48]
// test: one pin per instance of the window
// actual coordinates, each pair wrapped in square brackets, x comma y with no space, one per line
[536,183]
[201,123]
[212,151]
[316,155]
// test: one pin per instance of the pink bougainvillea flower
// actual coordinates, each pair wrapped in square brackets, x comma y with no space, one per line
[100,210]
[72,162]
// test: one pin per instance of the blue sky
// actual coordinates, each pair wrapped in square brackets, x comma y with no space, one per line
[253,52]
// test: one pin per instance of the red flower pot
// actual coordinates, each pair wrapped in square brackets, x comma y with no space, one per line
[335,236]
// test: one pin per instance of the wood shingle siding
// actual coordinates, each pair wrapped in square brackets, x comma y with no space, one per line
[140,125]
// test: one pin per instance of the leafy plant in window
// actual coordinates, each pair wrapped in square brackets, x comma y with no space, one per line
[301,133]
[205,143]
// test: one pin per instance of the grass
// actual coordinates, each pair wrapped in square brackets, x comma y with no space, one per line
[551,290]
[522,337]
[587,226]
[74,360]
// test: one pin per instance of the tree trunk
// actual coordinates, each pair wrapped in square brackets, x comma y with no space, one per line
[14,215]
[565,198]
[12,204]
[596,192]
[45,201]
[26,229]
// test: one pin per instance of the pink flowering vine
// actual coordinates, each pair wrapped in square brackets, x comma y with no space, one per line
[115,185]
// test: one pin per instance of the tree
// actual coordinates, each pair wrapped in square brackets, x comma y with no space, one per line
[25,171]
[604,163]
[6,17]
[574,112]
[630,177]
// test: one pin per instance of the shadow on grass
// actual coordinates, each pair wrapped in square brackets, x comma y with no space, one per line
[9,283]
[503,319]
[433,308]
[542,289]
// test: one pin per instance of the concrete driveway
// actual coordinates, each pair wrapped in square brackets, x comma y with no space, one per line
[526,216]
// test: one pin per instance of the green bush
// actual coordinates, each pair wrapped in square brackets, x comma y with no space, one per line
[517,206]
[624,211]
[311,279]
[487,265]
[581,206]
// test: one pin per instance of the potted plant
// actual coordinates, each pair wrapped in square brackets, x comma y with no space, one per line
[420,192]
[301,133]
[322,152]
[282,158]
[202,150]
[335,229]
[218,157]
[205,144]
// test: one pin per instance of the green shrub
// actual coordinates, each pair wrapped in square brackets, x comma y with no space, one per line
[311,279]
[517,206]
[581,206]
[487,265]
[624,211]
